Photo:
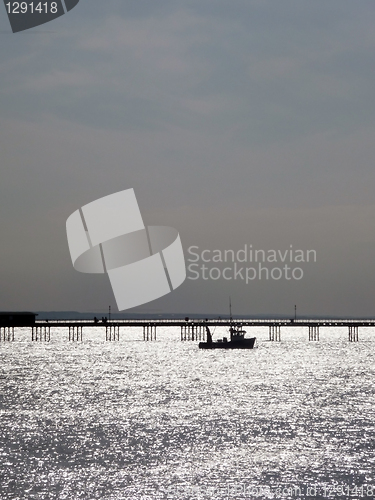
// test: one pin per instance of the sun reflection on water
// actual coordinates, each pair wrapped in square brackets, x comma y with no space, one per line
[134,419]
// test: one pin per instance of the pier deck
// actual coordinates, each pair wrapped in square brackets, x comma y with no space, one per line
[209,322]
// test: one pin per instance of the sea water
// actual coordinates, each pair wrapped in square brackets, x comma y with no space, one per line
[163,419]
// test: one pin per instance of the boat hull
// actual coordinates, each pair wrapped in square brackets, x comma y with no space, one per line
[243,344]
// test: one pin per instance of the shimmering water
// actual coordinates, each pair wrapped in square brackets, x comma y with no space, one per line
[149,420]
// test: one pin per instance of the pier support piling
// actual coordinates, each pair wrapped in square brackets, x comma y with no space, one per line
[75,333]
[193,332]
[41,333]
[183,332]
[200,332]
[149,332]
[187,332]
[353,333]
[7,333]
[112,333]
[275,333]
[313,332]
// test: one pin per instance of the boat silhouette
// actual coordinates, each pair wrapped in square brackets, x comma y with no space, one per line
[237,338]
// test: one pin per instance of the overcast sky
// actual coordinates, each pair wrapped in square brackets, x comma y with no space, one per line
[236,122]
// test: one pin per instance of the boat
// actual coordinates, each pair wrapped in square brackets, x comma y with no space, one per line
[237,338]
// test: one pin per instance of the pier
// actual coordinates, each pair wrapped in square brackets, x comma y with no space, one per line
[189,329]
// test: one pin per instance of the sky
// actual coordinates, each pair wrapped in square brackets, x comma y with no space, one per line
[235,122]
